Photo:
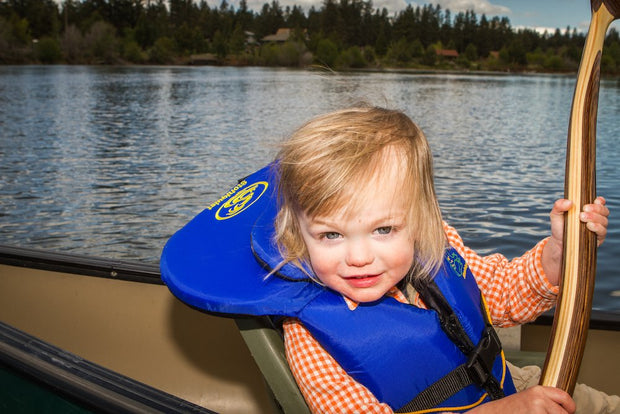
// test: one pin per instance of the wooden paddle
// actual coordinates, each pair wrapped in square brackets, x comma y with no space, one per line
[572,315]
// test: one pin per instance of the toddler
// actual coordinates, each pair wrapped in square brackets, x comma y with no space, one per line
[403,322]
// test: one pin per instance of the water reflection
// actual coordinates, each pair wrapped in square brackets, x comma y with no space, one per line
[111,161]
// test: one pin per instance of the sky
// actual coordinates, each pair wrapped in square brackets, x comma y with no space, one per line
[535,14]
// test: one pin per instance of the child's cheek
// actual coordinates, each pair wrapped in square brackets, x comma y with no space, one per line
[325,264]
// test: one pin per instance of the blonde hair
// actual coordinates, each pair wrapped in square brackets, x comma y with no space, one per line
[323,165]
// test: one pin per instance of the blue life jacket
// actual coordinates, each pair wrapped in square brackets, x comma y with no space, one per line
[411,358]
[398,350]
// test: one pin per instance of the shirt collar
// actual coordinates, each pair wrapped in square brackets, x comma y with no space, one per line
[393,293]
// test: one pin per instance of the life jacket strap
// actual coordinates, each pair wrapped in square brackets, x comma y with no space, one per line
[477,370]
[480,363]
[433,298]
[439,391]
[480,357]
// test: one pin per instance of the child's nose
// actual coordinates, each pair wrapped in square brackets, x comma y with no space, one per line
[359,253]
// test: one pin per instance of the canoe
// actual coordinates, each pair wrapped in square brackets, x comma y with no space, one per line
[92,334]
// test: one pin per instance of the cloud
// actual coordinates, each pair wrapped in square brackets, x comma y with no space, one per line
[581,28]
[540,29]
[478,6]
[393,6]
[584,25]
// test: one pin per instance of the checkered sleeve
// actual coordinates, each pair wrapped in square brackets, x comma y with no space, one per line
[516,290]
[326,387]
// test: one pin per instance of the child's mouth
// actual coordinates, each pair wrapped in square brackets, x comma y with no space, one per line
[362,281]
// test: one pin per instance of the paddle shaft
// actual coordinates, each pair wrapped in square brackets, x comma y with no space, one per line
[572,315]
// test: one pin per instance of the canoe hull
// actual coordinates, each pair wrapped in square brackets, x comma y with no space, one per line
[138,330]
[120,316]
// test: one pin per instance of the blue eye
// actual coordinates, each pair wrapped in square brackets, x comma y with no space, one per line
[384,230]
[331,235]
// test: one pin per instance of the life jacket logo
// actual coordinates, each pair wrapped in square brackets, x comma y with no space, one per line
[241,201]
[457,264]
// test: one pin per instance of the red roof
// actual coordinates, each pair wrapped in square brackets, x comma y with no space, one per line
[447,52]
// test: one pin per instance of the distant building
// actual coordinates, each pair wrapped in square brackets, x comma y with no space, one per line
[250,38]
[447,53]
[281,36]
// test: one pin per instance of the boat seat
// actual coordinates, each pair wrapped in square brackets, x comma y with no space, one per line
[266,345]
[524,358]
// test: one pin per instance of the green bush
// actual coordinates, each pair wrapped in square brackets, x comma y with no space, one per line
[536,58]
[237,40]
[369,55]
[381,45]
[352,58]
[162,51]
[326,53]
[608,64]
[19,30]
[417,49]
[101,42]
[400,51]
[72,44]
[290,53]
[613,51]
[471,52]
[268,55]
[15,42]
[48,51]
[554,62]
[219,45]
[430,56]
[133,53]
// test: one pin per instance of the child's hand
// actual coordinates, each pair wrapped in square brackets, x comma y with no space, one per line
[594,215]
[537,399]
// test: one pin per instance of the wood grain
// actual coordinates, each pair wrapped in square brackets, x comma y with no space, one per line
[572,315]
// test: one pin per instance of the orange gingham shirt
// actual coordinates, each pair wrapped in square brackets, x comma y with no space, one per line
[516,292]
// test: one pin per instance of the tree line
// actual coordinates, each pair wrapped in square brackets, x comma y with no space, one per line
[338,34]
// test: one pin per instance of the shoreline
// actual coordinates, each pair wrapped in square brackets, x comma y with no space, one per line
[391,69]
[316,68]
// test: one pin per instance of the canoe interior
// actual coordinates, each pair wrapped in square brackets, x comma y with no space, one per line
[600,367]
[124,319]
[139,330]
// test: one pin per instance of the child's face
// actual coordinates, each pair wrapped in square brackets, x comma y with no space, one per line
[365,252]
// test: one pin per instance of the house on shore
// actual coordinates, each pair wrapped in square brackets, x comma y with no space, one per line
[447,53]
[281,36]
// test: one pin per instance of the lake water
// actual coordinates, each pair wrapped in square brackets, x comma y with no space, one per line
[110,161]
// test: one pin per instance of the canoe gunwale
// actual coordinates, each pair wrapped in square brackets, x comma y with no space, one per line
[602,320]
[132,271]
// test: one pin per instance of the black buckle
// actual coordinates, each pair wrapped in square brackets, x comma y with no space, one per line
[481,359]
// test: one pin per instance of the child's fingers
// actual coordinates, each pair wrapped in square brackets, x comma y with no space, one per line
[556,216]
[600,200]
[597,207]
[561,206]
[595,216]
[599,229]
